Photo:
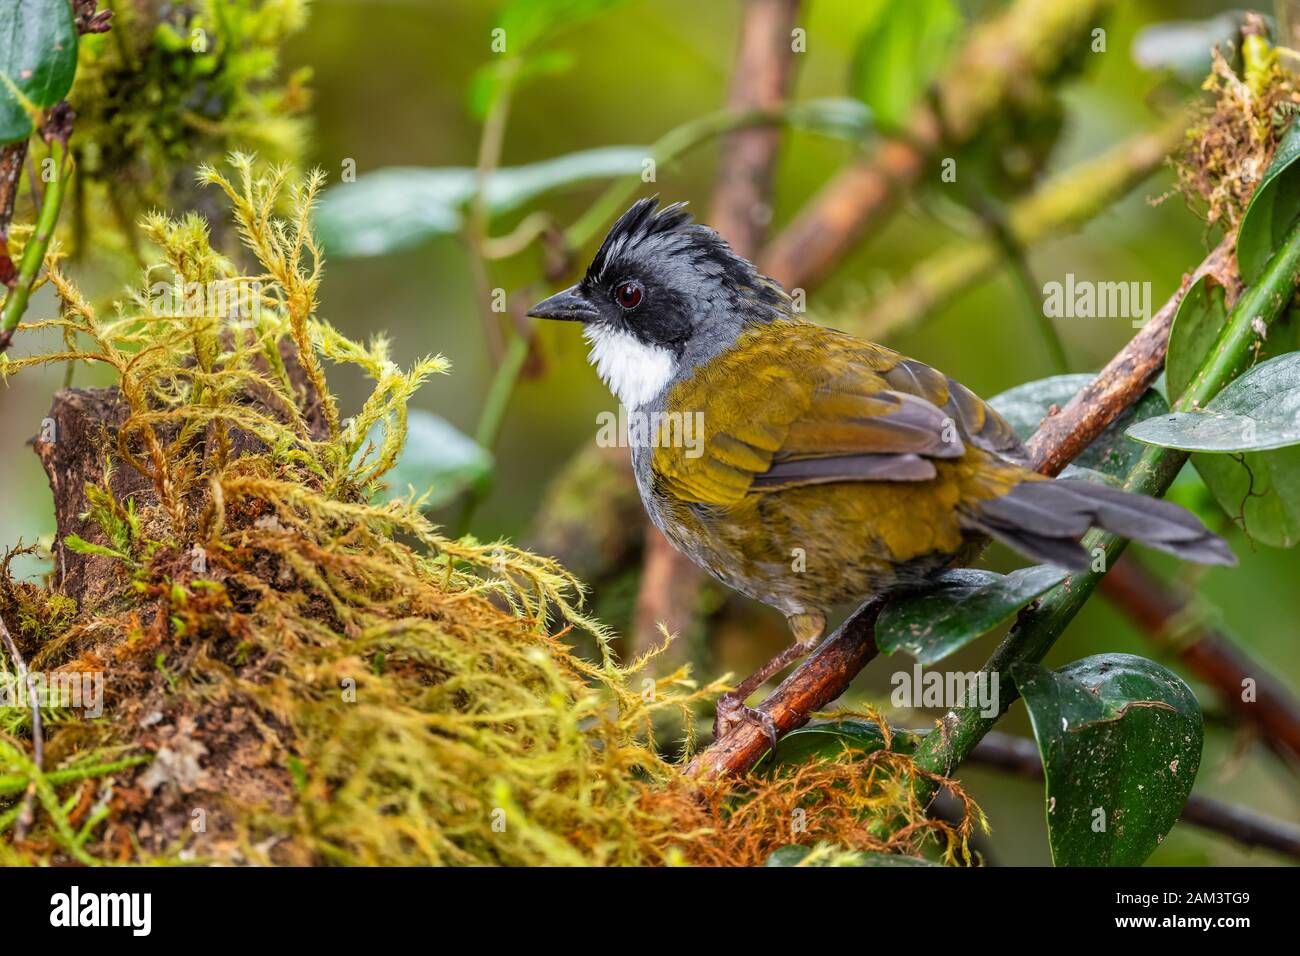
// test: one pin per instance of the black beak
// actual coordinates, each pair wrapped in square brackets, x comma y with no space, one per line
[569,305]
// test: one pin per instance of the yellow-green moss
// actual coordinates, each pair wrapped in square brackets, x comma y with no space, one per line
[378,692]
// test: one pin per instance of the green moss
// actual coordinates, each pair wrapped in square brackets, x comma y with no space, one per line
[375,691]
[171,85]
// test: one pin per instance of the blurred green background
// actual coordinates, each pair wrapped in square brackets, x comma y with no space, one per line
[390,89]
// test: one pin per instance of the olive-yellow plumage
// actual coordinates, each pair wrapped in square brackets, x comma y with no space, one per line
[793,391]
[819,468]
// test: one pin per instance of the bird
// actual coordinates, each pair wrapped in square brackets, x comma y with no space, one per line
[825,469]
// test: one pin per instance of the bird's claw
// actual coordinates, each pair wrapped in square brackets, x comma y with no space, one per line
[733,712]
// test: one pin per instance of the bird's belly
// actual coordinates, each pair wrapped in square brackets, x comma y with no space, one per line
[808,549]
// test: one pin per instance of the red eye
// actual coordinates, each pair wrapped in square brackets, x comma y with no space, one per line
[628,295]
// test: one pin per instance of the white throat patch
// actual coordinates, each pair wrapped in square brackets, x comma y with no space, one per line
[635,372]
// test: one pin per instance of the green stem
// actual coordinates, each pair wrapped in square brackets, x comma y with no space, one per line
[1014,252]
[498,397]
[36,246]
[491,143]
[494,413]
[1039,627]
[17,783]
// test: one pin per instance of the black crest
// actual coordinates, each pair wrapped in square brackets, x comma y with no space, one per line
[682,250]
[636,225]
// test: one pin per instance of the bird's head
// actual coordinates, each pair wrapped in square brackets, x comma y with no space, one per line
[662,295]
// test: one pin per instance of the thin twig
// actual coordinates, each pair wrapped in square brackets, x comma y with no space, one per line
[27,814]
[1062,437]
[1019,755]
[741,207]
[477,222]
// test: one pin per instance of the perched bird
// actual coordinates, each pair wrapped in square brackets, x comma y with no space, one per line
[827,468]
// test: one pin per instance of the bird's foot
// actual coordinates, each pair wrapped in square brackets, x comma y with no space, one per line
[732,712]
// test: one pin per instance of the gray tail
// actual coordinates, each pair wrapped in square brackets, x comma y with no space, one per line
[1045,519]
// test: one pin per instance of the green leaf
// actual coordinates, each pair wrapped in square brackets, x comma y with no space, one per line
[514,186]
[437,460]
[522,29]
[1260,490]
[830,739]
[900,53]
[75,542]
[493,78]
[530,23]
[963,604]
[1120,739]
[1200,318]
[399,207]
[392,209]
[1272,209]
[1258,411]
[1112,454]
[795,855]
[1184,47]
[840,117]
[38,59]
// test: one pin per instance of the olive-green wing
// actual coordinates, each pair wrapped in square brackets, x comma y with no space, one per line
[796,404]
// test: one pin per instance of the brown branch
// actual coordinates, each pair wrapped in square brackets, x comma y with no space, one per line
[740,211]
[817,682]
[1210,655]
[1019,755]
[741,206]
[1059,439]
[11,171]
[1062,437]
[1002,60]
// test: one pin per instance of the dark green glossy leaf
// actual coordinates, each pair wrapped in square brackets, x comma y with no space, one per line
[1120,739]
[38,56]
[1200,318]
[1184,47]
[1272,210]
[1112,454]
[437,460]
[963,604]
[1258,489]
[392,209]
[1258,411]
[900,53]
[795,855]
[830,739]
